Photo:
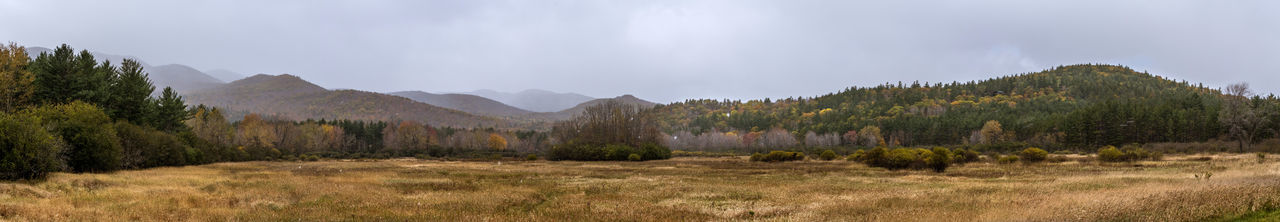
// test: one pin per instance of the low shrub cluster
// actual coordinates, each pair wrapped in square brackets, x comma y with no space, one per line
[1007,159]
[1128,153]
[828,155]
[777,156]
[614,152]
[938,158]
[1033,155]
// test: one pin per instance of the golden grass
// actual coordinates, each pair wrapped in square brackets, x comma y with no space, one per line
[681,189]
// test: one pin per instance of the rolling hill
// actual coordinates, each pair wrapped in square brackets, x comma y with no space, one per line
[464,102]
[292,97]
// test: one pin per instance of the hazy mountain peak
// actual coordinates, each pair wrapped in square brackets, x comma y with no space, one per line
[464,102]
[224,75]
[536,100]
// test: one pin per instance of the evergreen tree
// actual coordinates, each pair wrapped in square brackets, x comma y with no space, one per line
[131,98]
[170,111]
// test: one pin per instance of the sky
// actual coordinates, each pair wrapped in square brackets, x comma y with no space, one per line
[665,51]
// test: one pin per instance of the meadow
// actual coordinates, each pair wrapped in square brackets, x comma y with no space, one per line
[1237,187]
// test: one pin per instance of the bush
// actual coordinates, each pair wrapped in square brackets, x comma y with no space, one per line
[778,156]
[145,147]
[634,157]
[1008,159]
[531,157]
[91,142]
[1128,153]
[1033,155]
[1110,154]
[26,150]
[876,157]
[939,159]
[962,156]
[857,156]
[828,155]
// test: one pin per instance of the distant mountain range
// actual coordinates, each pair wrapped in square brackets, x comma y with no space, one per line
[292,97]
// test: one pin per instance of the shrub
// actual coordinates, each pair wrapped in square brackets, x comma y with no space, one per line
[961,156]
[876,157]
[531,157]
[1128,153]
[1008,159]
[902,158]
[1033,155]
[939,160]
[1133,152]
[828,155]
[145,147]
[26,150]
[778,156]
[857,155]
[634,157]
[1110,154]
[92,145]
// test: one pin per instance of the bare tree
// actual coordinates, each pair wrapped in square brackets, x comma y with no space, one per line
[1242,116]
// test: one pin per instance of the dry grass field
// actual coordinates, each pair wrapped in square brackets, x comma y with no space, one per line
[681,189]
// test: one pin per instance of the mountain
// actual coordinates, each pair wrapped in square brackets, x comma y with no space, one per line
[1076,107]
[535,100]
[464,102]
[224,75]
[182,78]
[292,97]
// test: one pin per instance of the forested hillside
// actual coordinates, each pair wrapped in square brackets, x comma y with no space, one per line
[1077,106]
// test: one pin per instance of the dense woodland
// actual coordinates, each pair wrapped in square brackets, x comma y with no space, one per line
[1077,107]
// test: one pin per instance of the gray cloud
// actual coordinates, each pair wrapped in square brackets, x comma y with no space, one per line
[666,50]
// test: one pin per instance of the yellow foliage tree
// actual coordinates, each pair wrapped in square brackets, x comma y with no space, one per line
[496,142]
[15,80]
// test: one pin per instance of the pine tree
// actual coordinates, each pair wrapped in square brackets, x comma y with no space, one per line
[131,99]
[171,112]
[54,73]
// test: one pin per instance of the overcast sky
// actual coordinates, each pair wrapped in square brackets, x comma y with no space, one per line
[665,51]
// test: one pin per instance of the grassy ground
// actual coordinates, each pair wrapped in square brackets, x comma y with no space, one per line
[680,189]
